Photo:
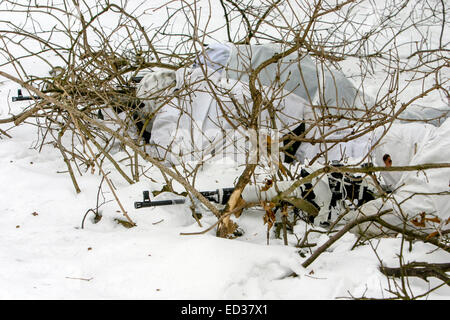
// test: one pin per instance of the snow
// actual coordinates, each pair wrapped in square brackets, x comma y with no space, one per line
[45,254]
[48,255]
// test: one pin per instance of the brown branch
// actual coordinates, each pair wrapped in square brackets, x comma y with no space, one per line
[224,216]
[106,154]
[414,235]
[421,270]
[5,133]
[339,234]
[119,137]
[368,170]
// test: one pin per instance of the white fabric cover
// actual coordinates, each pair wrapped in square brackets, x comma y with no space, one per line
[316,84]
[352,149]
[299,74]
[434,115]
[402,141]
[216,56]
[152,87]
[417,191]
[326,89]
[192,125]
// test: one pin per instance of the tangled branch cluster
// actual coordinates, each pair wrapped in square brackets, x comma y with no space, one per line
[86,105]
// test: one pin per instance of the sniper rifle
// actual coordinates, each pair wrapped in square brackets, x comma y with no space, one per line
[315,198]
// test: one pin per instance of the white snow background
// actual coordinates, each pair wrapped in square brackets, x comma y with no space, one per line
[44,253]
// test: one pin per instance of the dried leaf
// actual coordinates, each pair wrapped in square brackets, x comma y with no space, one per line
[432,235]
[166,188]
[267,205]
[267,185]
[433,219]
[231,227]
[303,205]
[423,219]
[421,222]
[418,223]
[269,217]
[124,223]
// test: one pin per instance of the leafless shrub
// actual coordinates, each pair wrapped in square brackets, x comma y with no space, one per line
[87,105]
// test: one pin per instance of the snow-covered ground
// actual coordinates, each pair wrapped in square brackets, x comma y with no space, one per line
[45,254]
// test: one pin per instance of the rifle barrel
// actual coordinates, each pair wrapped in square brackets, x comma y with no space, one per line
[145,204]
[24,98]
